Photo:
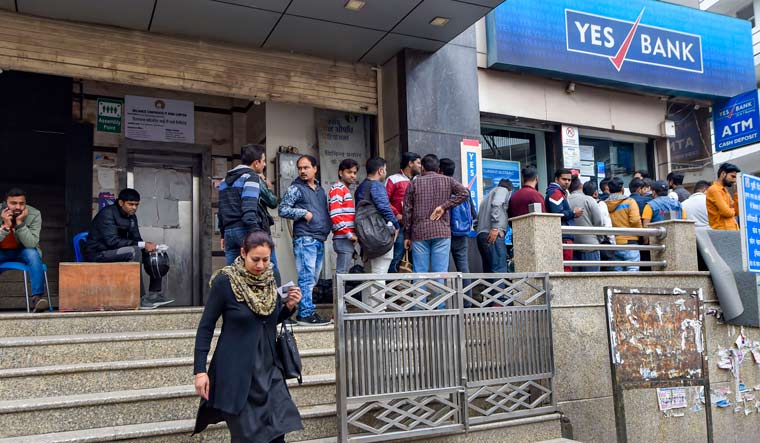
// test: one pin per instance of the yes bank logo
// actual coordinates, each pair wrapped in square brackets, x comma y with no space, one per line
[632,41]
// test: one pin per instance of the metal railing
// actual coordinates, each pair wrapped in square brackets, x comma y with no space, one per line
[426,354]
[658,233]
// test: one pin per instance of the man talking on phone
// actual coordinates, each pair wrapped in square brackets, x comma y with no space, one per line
[19,241]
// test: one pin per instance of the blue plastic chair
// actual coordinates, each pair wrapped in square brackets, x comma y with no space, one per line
[79,238]
[16,266]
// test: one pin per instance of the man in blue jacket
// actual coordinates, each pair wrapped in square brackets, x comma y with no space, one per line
[556,203]
[305,202]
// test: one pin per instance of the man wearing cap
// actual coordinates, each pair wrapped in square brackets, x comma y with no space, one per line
[657,208]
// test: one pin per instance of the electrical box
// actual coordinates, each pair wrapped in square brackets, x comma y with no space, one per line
[668,128]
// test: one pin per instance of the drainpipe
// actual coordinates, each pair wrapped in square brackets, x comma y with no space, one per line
[380,132]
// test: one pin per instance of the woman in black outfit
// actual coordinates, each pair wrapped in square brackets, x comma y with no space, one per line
[244,385]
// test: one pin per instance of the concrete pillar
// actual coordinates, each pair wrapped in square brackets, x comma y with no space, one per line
[438,98]
[537,240]
[680,246]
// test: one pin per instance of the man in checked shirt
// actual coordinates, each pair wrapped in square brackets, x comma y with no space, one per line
[426,217]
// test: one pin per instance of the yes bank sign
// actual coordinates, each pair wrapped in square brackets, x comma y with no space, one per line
[641,44]
[737,121]
[623,41]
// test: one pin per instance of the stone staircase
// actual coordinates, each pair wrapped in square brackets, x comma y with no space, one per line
[127,376]
[116,376]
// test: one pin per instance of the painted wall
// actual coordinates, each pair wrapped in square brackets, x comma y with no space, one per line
[287,125]
[524,96]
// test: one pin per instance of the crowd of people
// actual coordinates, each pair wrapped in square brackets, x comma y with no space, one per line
[420,210]
[421,214]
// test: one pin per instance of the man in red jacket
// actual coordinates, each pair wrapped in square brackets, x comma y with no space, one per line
[526,195]
[396,185]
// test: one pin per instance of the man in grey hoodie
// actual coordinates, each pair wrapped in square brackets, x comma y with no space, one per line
[590,216]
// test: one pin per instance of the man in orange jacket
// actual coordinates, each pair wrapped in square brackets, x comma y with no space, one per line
[722,209]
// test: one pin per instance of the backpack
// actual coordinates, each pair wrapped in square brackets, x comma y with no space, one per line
[375,237]
[461,219]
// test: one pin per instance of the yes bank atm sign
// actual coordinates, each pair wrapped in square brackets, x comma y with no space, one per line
[643,44]
[623,41]
[737,122]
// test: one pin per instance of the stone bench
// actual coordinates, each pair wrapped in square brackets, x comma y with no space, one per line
[99,286]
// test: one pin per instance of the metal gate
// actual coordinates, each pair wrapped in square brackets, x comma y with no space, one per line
[426,354]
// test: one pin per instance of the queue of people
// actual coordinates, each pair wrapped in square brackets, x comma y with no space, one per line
[419,209]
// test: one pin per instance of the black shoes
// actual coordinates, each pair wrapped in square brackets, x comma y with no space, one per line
[313,320]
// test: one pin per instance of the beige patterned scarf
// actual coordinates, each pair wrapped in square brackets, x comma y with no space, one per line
[257,291]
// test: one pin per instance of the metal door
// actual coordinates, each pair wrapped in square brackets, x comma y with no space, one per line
[169,188]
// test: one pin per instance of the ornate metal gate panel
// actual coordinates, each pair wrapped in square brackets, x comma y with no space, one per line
[425,354]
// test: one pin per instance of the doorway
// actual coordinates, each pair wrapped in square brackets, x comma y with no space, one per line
[171,212]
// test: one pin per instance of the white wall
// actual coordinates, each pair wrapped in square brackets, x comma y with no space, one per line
[287,125]
[507,93]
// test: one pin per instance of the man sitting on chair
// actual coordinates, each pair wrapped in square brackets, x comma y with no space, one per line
[114,236]
[19,242]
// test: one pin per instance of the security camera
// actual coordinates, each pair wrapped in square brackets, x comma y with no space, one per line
[570,88]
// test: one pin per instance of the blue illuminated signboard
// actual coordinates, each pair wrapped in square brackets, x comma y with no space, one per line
[643,44]
[495,170]
[737,122]
[749,221]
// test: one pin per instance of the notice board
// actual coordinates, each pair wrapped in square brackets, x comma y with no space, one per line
[656,340]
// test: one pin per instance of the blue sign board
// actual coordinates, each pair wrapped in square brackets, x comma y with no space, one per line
[749,214]
[495,170]
[642,44]
[737,122]
[471,169]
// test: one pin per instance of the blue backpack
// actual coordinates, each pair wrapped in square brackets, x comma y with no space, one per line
[461,219]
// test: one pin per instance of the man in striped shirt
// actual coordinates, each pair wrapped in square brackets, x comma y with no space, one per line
[342,215]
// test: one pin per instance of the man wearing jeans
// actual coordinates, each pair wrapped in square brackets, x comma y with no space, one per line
[239,195]
[19,242]
[427,227]
[624,212]
[492,227]
[342,214]
[459,249]
[305,202]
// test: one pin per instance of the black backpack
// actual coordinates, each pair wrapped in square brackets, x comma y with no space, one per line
[375,237]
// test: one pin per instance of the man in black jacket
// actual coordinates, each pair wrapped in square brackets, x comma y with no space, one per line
[114,236]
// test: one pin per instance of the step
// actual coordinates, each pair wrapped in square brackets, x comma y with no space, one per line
[121,408]
[26,352]
[63,323]
[87,378]
[178,431]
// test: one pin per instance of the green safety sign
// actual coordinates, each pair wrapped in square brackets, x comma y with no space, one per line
[109,115]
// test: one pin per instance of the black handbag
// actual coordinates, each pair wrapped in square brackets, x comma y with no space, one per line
[287,352]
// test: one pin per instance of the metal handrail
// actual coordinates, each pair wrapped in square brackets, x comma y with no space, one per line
[605,247]
[588,263]
[597,230]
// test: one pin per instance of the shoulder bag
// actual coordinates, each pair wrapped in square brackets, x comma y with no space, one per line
[287,352]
